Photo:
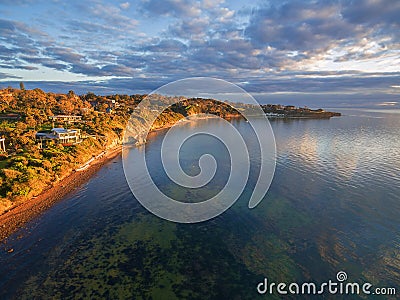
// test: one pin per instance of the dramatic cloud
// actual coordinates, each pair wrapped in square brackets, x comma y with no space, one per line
[310,28]
[383,13]
[307,26]
[275,46]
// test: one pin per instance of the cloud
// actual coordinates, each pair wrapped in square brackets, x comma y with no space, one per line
[281,88]
[167,45]
[46,62]
[317,82]
[64,54]
[18,39]
[174,8]
[274,46]
[315,26]
[372,12]
[83,26]
[298,26]
[14,31]
[125,5]
[113,15]
[104,15]
[18,67]
[8,76]
[117,70]
[195,28]
[229,54]
[5,52]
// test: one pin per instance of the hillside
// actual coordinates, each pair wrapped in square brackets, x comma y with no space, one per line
[46,136]
[28,165]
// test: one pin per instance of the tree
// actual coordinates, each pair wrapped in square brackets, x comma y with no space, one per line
[71,94]
[66,106]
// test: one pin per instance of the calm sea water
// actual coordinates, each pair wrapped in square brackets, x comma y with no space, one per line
[334,205]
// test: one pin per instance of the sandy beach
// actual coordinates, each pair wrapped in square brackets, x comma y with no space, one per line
[18,216]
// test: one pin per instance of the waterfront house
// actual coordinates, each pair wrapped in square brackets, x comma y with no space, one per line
[59,136]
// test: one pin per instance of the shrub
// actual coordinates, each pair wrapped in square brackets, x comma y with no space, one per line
[10,174]
[47,165]
[35,162]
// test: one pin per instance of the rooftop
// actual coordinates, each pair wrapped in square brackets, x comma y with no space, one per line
[63,130]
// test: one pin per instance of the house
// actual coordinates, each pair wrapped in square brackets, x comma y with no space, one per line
[290,107]
[10,116]
[114,104]
[60,136]
[86,110]
[65,119]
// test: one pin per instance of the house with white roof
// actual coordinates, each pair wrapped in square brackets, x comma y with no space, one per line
[60,136]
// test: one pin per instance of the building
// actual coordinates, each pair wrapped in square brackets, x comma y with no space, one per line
[60,136]
[86,110]
[65,118]
[114,104]
[290,107]
[10,116]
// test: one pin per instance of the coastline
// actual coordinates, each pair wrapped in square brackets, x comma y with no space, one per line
[18,216]
[21,214]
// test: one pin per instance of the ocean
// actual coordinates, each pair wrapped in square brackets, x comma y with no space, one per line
[333,207]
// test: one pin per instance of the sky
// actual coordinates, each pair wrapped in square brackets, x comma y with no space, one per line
[334,51]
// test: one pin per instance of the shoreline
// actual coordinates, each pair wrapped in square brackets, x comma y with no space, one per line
[17,217]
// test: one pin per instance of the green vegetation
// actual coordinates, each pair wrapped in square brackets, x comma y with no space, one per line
[290,111]
[28,166]
[25,168]
[147,258]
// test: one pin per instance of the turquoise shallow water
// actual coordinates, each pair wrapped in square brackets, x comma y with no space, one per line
[334,205]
